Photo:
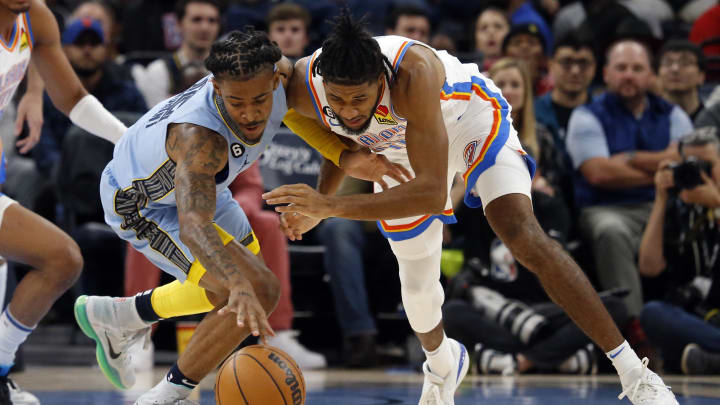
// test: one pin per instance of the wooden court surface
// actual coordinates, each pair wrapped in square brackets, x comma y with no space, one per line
[85,385]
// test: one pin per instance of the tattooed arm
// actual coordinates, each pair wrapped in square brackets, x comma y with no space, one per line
[200,153]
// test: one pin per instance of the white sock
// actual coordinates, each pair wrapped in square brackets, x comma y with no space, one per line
[126,314]
[12,334]
[441,360]
[626,362]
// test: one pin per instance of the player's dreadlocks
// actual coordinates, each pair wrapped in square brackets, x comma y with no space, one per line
[241,55]
[350,56]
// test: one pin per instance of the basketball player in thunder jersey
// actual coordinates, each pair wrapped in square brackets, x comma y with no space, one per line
[424,109]
[29,35]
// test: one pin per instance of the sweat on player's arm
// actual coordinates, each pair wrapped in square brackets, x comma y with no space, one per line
[200,154]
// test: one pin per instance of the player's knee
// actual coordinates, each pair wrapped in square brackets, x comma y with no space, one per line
[65,264]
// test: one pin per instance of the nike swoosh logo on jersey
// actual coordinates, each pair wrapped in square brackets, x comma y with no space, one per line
[113,355]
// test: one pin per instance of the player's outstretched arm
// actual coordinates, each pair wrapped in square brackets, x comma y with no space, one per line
[61,82]
[199,154]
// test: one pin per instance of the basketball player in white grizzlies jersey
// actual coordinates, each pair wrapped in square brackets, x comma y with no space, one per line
[425,110]
[29,36]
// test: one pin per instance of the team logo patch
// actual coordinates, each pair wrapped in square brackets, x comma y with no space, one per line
[469,153]
[382,115]
[237,150]
[24,40]
[329,112]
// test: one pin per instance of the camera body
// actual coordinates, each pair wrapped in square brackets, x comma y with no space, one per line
[686,174]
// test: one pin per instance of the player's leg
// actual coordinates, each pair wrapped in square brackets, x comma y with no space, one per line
[422,296]
[215,337]
[56,264]
[504,189]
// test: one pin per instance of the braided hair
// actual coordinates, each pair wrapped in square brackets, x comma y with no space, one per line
[350,56]
[242,54]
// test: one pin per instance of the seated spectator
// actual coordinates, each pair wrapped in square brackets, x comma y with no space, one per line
[442,41]
[681,240]
[524,42]
[84,45]
[491,27]
[345,240]
[616,143]
[199,22]
[709,117]
[103,12]
[513,79]
[487,298]
[571,68]
[409,21]
[247,189]
[523,12]
[288,26]
[681,75]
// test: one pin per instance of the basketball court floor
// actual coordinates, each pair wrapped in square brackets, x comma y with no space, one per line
[85,386]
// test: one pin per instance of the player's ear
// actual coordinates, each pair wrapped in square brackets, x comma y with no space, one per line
[276,79]
[216,86]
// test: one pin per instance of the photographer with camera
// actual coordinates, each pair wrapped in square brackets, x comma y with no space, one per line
[682,240]
[499,307]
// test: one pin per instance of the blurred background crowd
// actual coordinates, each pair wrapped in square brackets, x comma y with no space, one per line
[617,100]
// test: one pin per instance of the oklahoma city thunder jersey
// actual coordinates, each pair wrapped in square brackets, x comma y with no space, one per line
[141,166]
[14,58]
[386,133]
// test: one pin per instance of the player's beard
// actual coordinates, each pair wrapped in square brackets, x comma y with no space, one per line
[361,130]
[20,9]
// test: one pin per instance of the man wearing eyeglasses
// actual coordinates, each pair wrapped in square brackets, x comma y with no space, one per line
[681,74]
[571,68]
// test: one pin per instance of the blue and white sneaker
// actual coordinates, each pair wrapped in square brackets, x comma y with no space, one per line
[441,391]
[648,389]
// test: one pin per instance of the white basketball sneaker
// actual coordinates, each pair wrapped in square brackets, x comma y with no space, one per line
[97,319]
[147,399]
[441,391]
[648,389]
[165,394]
[286,340]
[11,391]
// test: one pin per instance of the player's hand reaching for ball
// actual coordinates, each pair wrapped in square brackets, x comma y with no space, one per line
[301,199]
[244,303]
[294,225]
[365,165]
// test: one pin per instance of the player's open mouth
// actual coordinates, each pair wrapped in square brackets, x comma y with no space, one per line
[252,129]
[356,121]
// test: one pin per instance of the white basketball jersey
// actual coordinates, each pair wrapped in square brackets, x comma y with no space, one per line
[14,58]
[386,133]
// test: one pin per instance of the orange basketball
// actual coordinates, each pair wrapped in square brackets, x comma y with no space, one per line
[260,375]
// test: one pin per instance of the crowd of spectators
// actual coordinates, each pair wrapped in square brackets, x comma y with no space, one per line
[617,100]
